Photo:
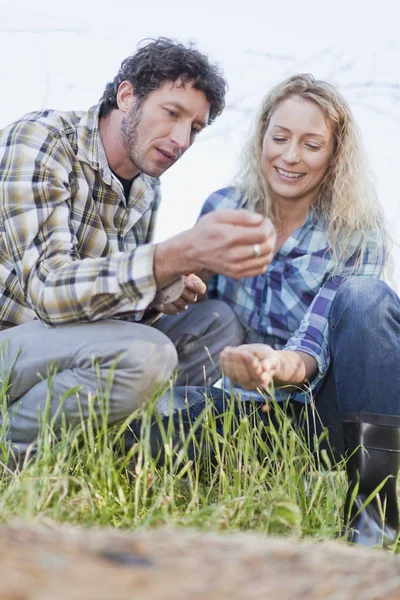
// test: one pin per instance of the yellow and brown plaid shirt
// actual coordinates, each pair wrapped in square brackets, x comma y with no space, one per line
[71,247]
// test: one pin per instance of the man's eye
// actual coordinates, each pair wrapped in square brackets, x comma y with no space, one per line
[195,131]
[171,113]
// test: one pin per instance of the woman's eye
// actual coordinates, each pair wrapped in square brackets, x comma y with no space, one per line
[312,146]
[278,139]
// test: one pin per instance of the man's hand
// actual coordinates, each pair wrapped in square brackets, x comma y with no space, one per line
[193,286]
[251,365]
[236,243]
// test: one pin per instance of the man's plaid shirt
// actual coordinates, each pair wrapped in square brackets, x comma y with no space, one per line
[288,307]
[60,203]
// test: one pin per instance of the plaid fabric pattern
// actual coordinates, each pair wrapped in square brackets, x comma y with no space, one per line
[288,307]
[71,248]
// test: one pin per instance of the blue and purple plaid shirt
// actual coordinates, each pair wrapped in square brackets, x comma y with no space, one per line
[288,307]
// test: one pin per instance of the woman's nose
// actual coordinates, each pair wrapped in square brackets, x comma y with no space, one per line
[292,154]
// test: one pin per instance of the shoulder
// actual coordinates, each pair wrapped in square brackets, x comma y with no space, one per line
[225,198]
[43,132]
[45,122]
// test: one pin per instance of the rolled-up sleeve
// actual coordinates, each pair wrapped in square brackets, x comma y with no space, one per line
[312,335]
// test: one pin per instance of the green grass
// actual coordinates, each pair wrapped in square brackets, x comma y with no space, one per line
[274,485]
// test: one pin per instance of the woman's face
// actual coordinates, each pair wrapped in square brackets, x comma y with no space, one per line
[297,150]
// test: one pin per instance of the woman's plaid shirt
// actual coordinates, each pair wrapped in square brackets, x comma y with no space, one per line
[288,307]
[59,204]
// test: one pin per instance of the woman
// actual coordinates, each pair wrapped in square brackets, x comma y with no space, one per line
[318,319]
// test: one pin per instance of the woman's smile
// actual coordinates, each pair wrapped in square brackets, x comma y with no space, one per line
[291,175]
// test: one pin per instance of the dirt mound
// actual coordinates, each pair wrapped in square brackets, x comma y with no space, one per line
[44,563]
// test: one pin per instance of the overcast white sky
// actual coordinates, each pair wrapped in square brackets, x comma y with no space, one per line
[60,55]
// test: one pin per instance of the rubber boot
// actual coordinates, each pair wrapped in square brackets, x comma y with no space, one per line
[373,457]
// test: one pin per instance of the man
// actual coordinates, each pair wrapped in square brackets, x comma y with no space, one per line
[79,276]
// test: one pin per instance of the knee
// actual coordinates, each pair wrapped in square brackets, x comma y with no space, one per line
[143,369]
[226,322]
[363,298]
[154,360]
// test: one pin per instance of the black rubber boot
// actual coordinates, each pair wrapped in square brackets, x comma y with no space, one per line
[373,457]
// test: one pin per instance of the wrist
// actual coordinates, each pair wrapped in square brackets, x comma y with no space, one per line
[173,258]
[280,373]
[291,369]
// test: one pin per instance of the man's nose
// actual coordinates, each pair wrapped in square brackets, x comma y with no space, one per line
[181,136]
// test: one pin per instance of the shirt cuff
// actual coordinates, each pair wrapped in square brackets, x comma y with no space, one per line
[318,354]
[136,276]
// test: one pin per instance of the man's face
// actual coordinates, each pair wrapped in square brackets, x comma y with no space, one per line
[159,129]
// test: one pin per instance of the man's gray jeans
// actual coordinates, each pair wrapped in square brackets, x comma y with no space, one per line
[143,358]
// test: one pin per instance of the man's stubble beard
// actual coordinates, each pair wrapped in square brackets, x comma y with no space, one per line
[131,134]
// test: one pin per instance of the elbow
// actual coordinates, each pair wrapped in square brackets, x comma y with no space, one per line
[52,307]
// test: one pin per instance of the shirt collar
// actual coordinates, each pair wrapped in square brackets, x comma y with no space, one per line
[90,146]
[316,219]
[91,151]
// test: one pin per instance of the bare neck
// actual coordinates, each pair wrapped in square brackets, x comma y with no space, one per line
[290,215]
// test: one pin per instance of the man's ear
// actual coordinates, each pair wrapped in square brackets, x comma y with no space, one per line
[125,96]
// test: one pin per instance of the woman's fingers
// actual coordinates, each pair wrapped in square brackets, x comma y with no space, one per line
[241,367]
[249,366]
[233,367]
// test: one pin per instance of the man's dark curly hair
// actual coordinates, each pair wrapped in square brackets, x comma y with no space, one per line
[162,60]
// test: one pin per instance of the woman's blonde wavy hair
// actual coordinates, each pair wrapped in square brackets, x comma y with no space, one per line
[345,198]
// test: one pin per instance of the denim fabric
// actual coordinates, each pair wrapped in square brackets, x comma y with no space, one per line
[364,376]
[365,347]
